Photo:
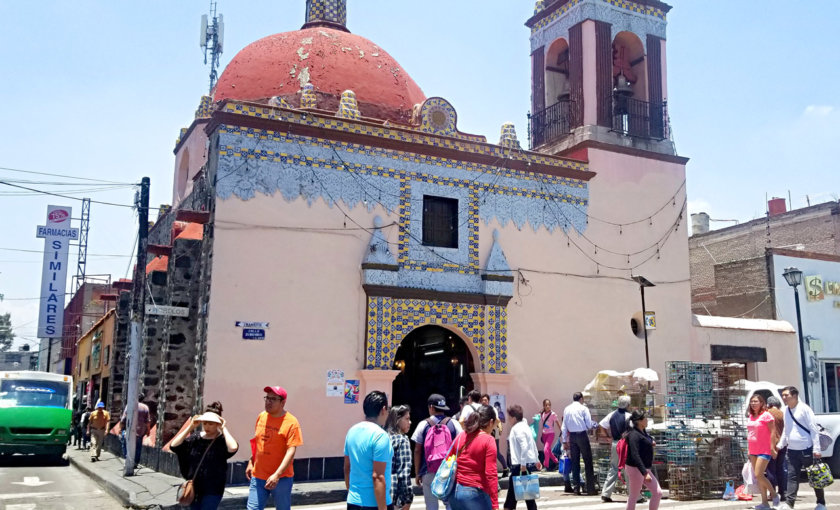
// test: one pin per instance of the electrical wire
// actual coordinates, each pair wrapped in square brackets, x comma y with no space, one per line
[71,197]
[61,175]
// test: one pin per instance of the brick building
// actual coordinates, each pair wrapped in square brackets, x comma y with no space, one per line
[731,267]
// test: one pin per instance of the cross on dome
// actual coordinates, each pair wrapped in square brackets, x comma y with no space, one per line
[326,13]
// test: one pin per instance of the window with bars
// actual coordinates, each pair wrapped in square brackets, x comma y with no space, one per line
[440,221]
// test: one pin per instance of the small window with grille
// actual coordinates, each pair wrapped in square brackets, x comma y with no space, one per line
[440,221]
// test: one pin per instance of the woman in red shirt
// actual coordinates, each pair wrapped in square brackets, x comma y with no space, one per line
[477,482]
[761,440]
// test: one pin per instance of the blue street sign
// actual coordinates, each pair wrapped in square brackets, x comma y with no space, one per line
[253,334]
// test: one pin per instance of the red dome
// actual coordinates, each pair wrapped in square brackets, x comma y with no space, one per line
[333,61]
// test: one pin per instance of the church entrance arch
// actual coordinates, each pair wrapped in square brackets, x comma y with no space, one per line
[431,359]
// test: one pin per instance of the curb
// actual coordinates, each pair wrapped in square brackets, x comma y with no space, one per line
[125,497]
[120,488]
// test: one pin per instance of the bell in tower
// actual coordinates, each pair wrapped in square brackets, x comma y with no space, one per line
[598,75]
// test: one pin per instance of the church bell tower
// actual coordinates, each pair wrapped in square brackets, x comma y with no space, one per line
[598,75]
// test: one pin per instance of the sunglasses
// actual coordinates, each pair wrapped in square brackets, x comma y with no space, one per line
[272,399]
[400,409]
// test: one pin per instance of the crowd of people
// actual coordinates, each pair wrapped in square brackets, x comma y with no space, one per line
[379,458]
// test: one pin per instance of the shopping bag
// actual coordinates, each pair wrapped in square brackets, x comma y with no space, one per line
[526,487]
[729,491]
[443,485]
[749,478]
[819,475]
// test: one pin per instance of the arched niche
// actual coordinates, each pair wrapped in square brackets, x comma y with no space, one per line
[557,85]
[183,174]
[629,60]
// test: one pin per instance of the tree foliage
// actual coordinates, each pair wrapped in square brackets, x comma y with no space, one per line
[6,335]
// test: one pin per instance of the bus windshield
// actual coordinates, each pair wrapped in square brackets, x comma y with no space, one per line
[33,393]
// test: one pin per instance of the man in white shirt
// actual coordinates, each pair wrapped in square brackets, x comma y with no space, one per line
[577,422]
[473,404]
[615,425]
[802,440]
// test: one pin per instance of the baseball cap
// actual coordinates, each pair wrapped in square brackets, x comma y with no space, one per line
[100,405]
[211,417]
[277,390]
[438,402]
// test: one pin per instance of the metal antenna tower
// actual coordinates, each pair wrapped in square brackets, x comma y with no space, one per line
[83,242]
[212,40]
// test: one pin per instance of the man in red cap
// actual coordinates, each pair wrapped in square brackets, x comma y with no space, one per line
[276,438]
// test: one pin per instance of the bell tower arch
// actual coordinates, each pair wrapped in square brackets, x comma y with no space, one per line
[598,75]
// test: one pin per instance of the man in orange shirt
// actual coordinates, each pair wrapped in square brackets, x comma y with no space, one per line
[96,427]
[276,437]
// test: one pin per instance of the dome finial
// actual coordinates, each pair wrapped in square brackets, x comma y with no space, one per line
[326,13]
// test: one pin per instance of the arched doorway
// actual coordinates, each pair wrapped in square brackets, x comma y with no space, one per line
[431,359]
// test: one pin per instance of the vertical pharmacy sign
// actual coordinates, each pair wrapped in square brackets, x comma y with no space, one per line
[57,235]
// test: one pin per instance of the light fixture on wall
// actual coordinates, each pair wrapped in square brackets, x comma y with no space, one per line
[793,277]
[400,365]
[454,361]
[644,282]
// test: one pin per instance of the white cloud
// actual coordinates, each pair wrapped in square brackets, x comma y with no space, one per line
[697,206]
[818,110]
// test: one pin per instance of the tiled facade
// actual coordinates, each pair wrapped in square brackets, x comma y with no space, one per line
[390,320]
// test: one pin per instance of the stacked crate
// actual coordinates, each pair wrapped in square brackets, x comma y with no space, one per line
[705,436]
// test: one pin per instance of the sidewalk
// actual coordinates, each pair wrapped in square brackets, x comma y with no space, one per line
[153,490]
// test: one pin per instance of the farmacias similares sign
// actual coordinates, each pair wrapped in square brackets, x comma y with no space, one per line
[57,235]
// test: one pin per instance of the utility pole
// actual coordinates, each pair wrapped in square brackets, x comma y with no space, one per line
[136,327]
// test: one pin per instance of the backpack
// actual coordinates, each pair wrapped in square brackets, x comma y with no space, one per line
[436,443]
[621,448]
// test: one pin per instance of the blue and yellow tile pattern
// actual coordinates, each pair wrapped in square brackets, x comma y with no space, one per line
[389,320]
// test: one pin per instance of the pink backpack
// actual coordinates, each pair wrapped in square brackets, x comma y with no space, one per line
[436,443]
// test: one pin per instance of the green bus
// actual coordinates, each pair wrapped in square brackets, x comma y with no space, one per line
[35,412]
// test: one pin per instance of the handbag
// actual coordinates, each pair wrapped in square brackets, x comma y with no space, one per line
[824,439]
[526,487]
[819,475]
[186,491]
[443,484]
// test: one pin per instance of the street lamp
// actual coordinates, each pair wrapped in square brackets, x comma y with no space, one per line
[793,277]
[644,282]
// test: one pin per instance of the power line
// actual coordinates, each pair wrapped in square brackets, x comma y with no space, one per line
[62,175]
[42,251]
[69,197]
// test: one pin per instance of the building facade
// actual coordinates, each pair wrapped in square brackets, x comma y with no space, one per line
[334,232]
[730,273]
[94,359]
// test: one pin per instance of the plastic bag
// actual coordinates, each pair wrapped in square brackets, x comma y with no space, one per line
[729,491]
[749,478]
[526,487]
[742,494]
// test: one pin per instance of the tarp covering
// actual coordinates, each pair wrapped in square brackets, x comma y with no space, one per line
[606,380]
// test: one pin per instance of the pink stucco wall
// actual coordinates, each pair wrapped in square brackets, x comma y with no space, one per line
[308,286]
[190,157]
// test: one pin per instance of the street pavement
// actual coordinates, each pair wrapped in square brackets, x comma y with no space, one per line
[35,483]
[555,498]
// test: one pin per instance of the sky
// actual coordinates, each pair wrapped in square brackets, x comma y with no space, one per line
[100,90]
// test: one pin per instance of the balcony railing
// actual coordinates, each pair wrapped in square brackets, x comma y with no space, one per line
[553,123]
[639,118]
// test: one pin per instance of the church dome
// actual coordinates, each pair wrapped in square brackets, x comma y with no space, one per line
[329,57]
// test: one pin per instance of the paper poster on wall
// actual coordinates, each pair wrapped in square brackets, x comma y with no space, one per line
[335,383]
[351,391]
[498,402]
